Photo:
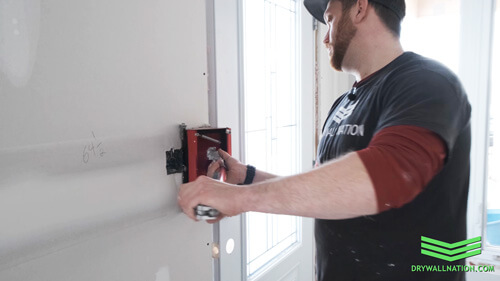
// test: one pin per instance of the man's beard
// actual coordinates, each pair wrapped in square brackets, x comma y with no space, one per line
[343,37]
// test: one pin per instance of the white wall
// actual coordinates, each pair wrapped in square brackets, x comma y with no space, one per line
[91,96]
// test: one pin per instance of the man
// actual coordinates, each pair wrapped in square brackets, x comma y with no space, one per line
[394,156]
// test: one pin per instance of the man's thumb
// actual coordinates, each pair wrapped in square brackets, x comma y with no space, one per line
[224,155]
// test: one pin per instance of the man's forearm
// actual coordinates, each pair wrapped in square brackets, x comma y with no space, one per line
[261,176]
[337,190]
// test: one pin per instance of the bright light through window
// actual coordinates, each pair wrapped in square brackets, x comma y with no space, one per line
[493,192]
[270,29]
[432,28]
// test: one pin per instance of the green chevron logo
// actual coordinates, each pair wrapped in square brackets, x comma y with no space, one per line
[451,252]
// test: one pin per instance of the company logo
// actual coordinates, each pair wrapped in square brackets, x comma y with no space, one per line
[344,112]
[351,130]
[451,252]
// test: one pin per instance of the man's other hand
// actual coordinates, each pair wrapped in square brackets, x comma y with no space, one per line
[226,198]
[236,171]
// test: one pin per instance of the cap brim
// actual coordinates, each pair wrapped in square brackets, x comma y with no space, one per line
[316,8]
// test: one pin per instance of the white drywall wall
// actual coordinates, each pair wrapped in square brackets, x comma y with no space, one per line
[91,96]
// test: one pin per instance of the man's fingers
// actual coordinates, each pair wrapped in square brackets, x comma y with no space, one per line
[216,220]
[212,168]
[186,209]
[224,155]
[190,211]
[200,192]
[186,199]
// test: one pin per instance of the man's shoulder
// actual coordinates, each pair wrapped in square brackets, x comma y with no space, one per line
[416,67]
[415,78]
[415,75]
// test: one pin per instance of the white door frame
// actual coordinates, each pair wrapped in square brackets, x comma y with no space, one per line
[475,68]
[224,41]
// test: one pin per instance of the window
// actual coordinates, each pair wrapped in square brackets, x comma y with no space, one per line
[432,28]
[271,117]
[493,182]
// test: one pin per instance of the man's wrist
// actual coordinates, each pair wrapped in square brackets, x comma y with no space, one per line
[250,175]
[247,175]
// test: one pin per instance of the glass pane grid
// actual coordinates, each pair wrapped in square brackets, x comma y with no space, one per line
[289,5]
[274,234]
[493,184]
[271,121]
[286,241]
[273,254]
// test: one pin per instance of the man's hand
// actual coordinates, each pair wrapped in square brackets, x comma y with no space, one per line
[339,189]
[226,198]
[236,171]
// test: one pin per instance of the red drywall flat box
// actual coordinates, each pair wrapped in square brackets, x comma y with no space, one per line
[196,144]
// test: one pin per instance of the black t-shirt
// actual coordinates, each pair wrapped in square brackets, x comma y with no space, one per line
[411,90]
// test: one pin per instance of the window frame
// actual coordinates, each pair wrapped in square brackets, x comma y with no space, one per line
[475,73]
[254,274]
[225,88]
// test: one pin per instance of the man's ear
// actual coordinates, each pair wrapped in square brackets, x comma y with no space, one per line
[361,11]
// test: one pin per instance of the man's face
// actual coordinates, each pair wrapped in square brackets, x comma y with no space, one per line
[341,30]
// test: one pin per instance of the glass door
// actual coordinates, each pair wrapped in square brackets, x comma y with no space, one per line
[493,155]
[272,114]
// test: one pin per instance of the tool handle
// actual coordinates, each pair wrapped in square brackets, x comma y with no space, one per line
[203,212]
[220,174]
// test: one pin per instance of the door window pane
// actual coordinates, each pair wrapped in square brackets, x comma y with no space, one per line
[270,29]
[493,191]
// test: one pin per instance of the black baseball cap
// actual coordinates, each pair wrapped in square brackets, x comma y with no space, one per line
[317,7]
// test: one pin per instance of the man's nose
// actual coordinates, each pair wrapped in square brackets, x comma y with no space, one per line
[326,39]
